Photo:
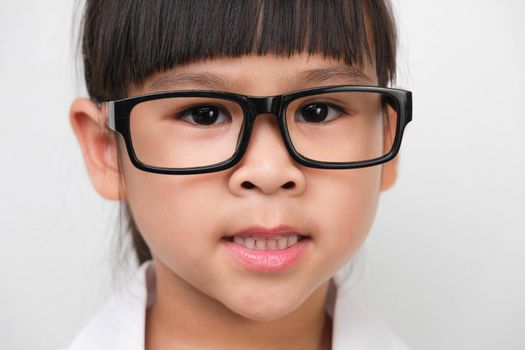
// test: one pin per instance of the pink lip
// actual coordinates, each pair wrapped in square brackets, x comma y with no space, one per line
[267,260]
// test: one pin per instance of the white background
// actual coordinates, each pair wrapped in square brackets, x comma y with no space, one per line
[444,264]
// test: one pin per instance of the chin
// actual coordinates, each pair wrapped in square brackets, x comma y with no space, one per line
[265,309]
[263,315]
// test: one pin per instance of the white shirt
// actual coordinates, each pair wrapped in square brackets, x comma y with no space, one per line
[120,324]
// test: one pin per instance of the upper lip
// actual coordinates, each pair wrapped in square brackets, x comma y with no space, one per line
[268,232]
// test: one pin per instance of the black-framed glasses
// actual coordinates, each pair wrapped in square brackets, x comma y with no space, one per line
[200,131]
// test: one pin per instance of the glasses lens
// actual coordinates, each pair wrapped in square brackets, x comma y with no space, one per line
[342,127]
[185,132]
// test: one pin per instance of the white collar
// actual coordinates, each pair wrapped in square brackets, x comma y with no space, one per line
[120,324]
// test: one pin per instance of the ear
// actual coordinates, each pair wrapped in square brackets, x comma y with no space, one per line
[389,174]
[389,171]
[98,148]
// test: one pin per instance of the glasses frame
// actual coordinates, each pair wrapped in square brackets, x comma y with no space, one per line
[119,113]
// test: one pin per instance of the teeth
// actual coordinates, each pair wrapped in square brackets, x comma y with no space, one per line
[283,242]
[271,243]
[249,242]
[260,243]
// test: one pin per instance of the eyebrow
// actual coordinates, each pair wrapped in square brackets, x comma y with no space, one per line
[338,72]
[205,80]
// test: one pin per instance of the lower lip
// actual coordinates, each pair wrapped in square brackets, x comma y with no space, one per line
[267,260]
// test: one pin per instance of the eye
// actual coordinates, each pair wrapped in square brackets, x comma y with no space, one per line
[317,113]
[205,115]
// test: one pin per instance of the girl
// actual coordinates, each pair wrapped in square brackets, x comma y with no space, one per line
[249,142]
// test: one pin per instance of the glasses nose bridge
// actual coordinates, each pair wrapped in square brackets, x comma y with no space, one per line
[265,105]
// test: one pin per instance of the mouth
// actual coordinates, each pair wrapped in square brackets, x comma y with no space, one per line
[274,242]
[266,250]
[257,238]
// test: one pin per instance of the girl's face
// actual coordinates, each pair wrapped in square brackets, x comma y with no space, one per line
[185,218]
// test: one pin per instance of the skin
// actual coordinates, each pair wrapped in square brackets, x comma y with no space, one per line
[205,299]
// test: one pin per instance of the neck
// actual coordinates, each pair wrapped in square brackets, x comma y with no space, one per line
[182,318]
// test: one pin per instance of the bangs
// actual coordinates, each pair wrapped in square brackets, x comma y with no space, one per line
[124,42]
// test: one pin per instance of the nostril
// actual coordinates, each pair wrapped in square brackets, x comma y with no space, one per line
[247,185]
[289,184]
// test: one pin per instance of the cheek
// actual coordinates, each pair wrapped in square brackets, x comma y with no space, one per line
[345,203]
[172,212]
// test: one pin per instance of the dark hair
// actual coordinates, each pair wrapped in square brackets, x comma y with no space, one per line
[125,41]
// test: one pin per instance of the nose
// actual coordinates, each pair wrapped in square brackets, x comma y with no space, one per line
[267,167]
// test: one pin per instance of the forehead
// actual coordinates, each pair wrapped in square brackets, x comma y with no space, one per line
[259,75]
